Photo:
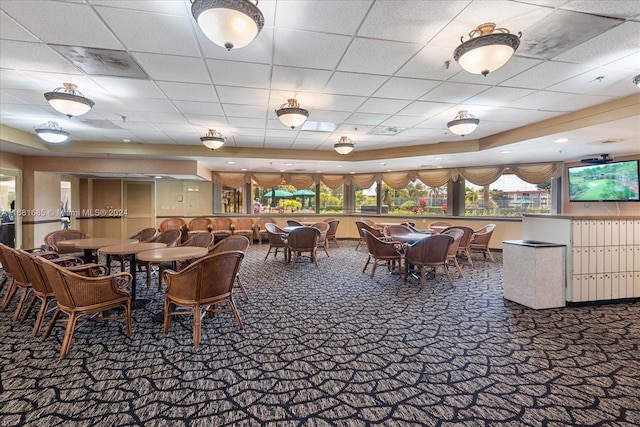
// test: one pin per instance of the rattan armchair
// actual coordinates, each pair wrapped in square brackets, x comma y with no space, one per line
[233,243]
[331,233]
[452,254]
[381,251]
[301,240]
[221,227]
[201,288]
[243,227]
[277,239]
[79,296]
[431,253]
[373,229]
[200,224]
[51,241]
[323,243]
[171,238]
[260,229]
[144,235]
[480,240]
[463,248]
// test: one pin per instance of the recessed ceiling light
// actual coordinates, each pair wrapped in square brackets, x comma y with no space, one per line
[281,170]
[243,169]
[439,167]
[339,166]
[559,140]
[158,177]
[389,170]
[231,162]
[288,164]
[318,171]
[126,140]
[352,172]
[438,158]
[505,152]
[382,164]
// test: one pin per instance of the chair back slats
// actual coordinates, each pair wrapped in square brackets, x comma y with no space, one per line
[170,237]
[33,275]
[52,239]
[231,243]
[203,240]
[200,224]
[303,239]
[145,235]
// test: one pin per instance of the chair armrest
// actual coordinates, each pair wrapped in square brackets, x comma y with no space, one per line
[90,270]
[66,261]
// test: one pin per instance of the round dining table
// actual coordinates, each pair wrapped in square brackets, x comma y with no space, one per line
[130,249]
[409,238]
[90,244]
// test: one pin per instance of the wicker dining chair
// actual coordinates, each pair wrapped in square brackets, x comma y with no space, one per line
[169,237]
[480,240]
[243,227]
[260,229]
[428,253]
[80,296]
[452,254]
[331,233]
[277,239]
[301,240]
[233,243]
[201,288]
[381,251]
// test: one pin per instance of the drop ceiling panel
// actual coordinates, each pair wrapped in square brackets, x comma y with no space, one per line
[297,79]
[453,92]
[188,91]
[260,50]
[619,8]
[33,57]
[129,88]
[151,32]
[253,111]
[354,84]
[308,49]
[383,106]
[431,63]
[327,16]
[159,118]
[405,88]
[189,107]
[173,68]
[377,56]
[244,96]
[231,73]
[366,119]
[499,96]
[338,102]
[75,24]
[10,30]
[546,74]
[424,109]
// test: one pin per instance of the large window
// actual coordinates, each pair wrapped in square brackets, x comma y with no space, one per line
[507,196]
[414,199]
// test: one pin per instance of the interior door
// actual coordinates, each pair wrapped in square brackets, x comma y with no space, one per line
[139,205]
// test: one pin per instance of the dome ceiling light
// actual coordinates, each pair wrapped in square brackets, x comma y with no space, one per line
[69,101]
[213,139]
[487,49]
[52,133]
[344,146]
[231,24]
[291,115]
[463,124]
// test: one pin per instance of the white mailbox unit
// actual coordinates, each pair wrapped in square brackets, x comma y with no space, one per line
[603,253]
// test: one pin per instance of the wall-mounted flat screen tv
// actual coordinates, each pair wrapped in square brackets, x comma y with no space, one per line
[606,182]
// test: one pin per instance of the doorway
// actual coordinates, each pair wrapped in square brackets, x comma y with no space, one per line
[139,206]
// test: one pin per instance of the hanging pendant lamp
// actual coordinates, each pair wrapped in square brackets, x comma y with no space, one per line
[344,146]
[213,139]
[487,49]
[231,24]
[290,114]
[51,132]
[69,101]
[463,124]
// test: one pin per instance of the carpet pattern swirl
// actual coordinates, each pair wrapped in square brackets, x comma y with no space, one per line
[329,346]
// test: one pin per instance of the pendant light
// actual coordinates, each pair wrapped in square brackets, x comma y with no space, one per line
[231,24]
[463,124]
[52,133]
[344,146]
[213,139]
[69,101]
[487,49]
[290,114]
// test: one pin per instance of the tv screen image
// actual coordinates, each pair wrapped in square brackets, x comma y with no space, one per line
[607,182]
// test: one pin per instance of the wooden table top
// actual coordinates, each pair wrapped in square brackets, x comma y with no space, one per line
[95,242]
[178,253]
[130,248]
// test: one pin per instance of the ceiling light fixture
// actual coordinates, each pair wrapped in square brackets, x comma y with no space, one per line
[231,24]
[213,139]
[487,49]
[463,124]
[636,80]
[69,101]
[344,146]
[52,133]
[290,114]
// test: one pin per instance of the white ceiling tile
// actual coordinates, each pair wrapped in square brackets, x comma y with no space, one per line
[615,44]
[309,49]
[430,63]
[245,122]
[10,30]
[600,81]
[402,121]
[513,67]
[338,102]
[151,105]
[253,111]
[383,106]
[188,91]
[151,32]
[629,63]
[377,56]
[546,74]
[193,107]
[328,116]
[240,95]
[409,21]
[33,57]
[170,7]
[129,88]
[231,73]
[299,79]
[173,68]
[62,23]
[544,100]
[453,92]
[424,109]
[327,16]
[354,84]
[366,119]
[618,8]
[499,96]
[260,50]
[159,117]
[405,88]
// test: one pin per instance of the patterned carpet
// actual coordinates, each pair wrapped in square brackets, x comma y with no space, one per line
[328,346]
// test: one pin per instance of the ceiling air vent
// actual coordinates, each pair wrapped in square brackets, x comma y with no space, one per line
[385,130]
[102,62]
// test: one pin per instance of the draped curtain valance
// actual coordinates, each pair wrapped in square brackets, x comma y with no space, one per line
[531,173]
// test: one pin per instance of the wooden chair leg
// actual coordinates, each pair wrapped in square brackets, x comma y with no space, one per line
[197,325]
[68,335]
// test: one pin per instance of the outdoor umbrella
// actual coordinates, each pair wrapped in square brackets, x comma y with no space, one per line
[279,193]
[303,194]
